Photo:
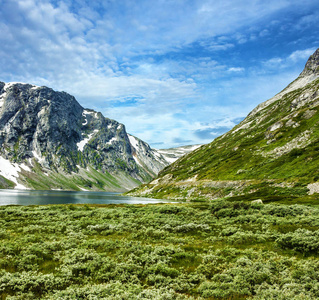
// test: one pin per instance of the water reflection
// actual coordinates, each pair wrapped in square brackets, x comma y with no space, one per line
[28,197]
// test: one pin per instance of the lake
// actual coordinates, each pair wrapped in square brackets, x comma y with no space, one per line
[29,197]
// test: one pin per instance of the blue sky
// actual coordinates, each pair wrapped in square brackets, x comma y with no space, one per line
[174,72]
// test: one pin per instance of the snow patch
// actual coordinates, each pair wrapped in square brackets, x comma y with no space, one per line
[133,141]
[9,84]
[157,154]
[110,142]
[87,112]
[10,171]
[37,156]
[173,154]
[85,121]
[189,149]
[171,159]
[137,161]
[2,96]
[82,143]
[25,167]
[84,190]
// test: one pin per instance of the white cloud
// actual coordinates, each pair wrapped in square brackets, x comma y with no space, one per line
[107,52]
[216,45]
[236,69]
[301,54]
[277,63]
[117,88]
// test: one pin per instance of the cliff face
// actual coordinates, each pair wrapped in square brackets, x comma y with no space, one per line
[272,153]
[50,133]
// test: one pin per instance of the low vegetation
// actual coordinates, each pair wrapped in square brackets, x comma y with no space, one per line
[218,250]
[273,152]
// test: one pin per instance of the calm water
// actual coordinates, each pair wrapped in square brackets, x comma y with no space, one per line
[26,197]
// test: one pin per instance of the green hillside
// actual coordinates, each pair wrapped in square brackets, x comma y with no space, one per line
[272,154]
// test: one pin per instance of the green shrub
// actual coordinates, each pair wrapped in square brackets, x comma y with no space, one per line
[301,240]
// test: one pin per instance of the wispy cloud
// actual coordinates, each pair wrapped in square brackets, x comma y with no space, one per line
[289,60]
[163,68]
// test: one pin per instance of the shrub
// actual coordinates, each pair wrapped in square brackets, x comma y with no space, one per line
[301,240]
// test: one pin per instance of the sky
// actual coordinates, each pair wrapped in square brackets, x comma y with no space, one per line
[174,72]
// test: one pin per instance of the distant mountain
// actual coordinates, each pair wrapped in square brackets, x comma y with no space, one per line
[49,141]
[173,154]
[272,153]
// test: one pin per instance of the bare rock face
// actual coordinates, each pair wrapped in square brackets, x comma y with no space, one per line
[39,126]
[312,65]
[38,122]
[308,75]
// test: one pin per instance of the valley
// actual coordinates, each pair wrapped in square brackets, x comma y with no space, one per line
[272,154]
[159,150]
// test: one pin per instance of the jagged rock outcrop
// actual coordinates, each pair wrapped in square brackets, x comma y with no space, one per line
[50,133]
[272,153]
[312,66]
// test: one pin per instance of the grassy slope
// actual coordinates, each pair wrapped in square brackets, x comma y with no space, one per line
[245,155]
[228,250]
[87,179]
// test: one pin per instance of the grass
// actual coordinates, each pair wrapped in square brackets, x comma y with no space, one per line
[218,250]
[89,179]
[247,154]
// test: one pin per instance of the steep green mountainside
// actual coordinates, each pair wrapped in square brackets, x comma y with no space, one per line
[272,153]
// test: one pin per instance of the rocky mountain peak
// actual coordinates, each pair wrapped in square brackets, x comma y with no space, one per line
[309,74]
[64,146]
[312,65]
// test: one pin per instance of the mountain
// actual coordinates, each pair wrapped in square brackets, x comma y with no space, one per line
[49,141]
[271,154]
[173,154]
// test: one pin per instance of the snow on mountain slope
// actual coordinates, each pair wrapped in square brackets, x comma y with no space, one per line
[146,157]
[173,154]
[65,146]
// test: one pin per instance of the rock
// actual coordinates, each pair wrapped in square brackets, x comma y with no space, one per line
[275,126]
[258,201]
[53,129]
[312,65]
[309,114]
[313,188]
